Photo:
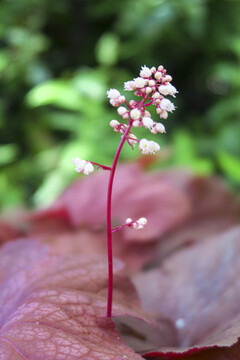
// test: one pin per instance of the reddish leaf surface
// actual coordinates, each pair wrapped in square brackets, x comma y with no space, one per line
[135,194]
[53,307]
[213,209]
[199,290]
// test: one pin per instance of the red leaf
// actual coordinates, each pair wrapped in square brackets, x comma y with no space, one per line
[53,307]
[199,290]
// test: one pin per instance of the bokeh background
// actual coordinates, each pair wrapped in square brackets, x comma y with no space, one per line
[58,59]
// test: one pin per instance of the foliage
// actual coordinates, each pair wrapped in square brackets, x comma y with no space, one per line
[184,264]
[58,59]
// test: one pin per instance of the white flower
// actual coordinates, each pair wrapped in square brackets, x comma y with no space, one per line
[142,221]
[168,78]
[128,221]
[163,89]
[153,147]
[158,75]
[160,128]
[167,105]
[114,123]
[143,146]
[132,139]
[147,122]
[172,90]
[167,90]
[148,90]
[164,114]
[156,95]
[79,164]
[139,224]
[113,94]
[148,147]
[136,123]
[145,72]
[88,168]
[139,82]
[135,114]
[152,83]
[121,110]
[129,85]
[153,70]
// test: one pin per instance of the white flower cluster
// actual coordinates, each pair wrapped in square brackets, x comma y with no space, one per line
[83,166]
[116,99]
[138,224]
[148,147]
[157,82]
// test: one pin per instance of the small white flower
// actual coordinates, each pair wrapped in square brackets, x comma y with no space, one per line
[168,78]
[158,75]
[153,70]
[123,128]
[167,105]
[129,85]
[137,226]
[147,122]
[114,123]
[135,114]
[143,146]
[160,68]
[148,90]
[142,221]
[164,115]
[152,83]
[113,94]
[132,139]
[121,110]
[128,221]
[148,147]
[121,99]
[88,168]
[160,128]
[172,90]
[136,123]
[163,89]
[145,72]
[153,147]
[153,130]
[139,82]
[79,164]
[167,90]
[156,95]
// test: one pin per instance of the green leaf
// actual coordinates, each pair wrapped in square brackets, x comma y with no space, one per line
[107,49]
[8,153]
[55,92]
[230,165]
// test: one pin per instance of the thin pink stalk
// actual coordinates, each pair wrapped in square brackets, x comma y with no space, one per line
[109,221]
[109,211]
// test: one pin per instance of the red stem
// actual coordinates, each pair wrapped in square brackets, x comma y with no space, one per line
[109,209]
[109,223]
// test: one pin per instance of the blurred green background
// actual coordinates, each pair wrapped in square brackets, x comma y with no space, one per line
[58,59]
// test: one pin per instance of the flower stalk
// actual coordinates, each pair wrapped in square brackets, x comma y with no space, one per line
[153,85]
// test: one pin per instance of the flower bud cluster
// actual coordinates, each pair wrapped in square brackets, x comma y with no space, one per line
[83,166]
[148,147]
[157,83]
[153,85]
[116,99]
[138,224]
